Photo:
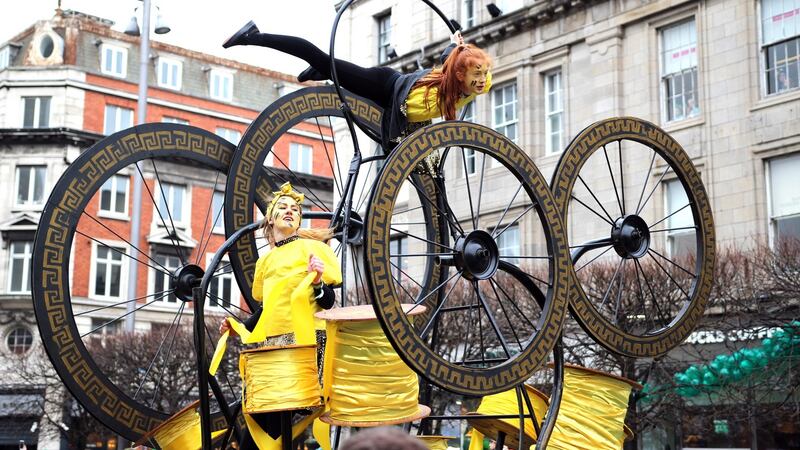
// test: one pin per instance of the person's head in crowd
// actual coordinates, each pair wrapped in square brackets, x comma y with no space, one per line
[383,438]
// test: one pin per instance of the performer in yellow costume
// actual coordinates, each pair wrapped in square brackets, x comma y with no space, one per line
[292,281]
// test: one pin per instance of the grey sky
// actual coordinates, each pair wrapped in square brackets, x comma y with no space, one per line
[200,24]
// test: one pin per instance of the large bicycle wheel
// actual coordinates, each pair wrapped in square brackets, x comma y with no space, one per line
[132,381]
[487,331]
[310,120]
[641,231]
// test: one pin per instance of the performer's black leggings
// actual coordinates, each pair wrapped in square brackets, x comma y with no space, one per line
[374,83]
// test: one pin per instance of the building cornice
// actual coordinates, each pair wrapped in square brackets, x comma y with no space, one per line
[66,136]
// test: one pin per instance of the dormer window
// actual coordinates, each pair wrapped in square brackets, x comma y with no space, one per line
[114,60]
[170,72]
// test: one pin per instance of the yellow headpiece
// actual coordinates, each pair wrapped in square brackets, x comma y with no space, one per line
[285,191]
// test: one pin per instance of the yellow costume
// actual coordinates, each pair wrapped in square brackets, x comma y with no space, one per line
[281,271]
[417,111]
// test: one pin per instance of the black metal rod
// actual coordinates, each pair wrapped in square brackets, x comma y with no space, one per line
[286,430]
[198,297]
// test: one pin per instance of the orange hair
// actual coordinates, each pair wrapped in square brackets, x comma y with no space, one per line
[445,78]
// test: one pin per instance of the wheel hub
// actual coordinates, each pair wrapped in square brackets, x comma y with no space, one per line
[187,278]
[477,255]
[631,236]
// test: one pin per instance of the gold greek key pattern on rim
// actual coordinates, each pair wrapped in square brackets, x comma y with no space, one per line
[413,350]
[59,219]
[566,174]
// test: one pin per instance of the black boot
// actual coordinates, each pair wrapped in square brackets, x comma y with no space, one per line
[240,37]
[311,74]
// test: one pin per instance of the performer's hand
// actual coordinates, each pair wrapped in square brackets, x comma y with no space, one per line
[316,265]
[226,326]
[457,39]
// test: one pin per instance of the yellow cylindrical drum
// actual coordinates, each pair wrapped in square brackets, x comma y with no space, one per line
[505,403]
[592,411]
[181,431]
[366,382]
[280,378]
[435,442]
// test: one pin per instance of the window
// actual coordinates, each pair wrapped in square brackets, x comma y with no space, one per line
[114,196]
[397,247]
[19,340]
[117,118]
[169,73]
[114,60]
[508,6]
[217,215]
[221,85]
[784,192]
[167,119]
[468,13]
[679,71]
[163,282]
[5,57]
[681,242]
[232,136]
[19,266]
[221,289]
[780,44]
[300,157]
[30,185]
[384,36]
[553,112]
[175,206]
[504,105]
[108,272]
[35,112]
[508,243]
[102,326]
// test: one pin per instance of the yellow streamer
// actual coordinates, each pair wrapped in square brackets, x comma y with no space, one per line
[265,442]
[365,380]
[435,442]
[181,432]
[280,379]
[302,322]
[592,412]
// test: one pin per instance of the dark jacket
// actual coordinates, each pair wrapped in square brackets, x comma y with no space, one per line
[394,122]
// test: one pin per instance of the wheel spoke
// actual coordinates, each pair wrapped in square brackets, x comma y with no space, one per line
[658,183]
[673,263]
[673,213]
[166,365]
[505,314]
[505,211]
[124,240]
[450,218]
[314,198]
[593,259]
[661,315]
[513,222]
[480,191]
[590,209]
[491,318]
[640,296]
[619,291]
[432,320]
[469,190]
[403,255]
[127,313]
[621,176]
[613,182]
[158,351]
[433,291]
[595,198]
[644,184]
[178,248]
[421,239]
[213,225]
[663,230]
[403,272]
[328,157]
[118,303]
[116,250]
[666,272]
[205,220]
[610,284]
[522,314]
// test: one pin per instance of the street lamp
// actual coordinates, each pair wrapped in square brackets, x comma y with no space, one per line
[141,112]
